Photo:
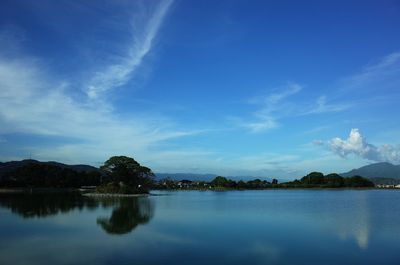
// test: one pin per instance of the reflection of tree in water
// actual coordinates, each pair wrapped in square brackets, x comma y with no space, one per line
[127,215]
[43,205]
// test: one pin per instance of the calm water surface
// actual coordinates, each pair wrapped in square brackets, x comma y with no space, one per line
[190,227]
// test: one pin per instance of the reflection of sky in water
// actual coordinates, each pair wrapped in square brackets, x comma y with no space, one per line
[257,227]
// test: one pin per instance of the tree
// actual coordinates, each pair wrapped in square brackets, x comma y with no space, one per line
[127,172]
[241,185]
[257,184]
[314,178]
[359,182]
[334,180]
[220,182]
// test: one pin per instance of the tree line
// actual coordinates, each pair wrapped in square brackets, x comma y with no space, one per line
[119,174]
[122,174]
[312,180]
[43,175]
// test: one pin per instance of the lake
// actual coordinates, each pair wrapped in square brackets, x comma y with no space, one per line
[195,227]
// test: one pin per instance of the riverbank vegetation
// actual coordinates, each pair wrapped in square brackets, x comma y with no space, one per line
[124,175]
[119,174]
[312,180]
[41,175]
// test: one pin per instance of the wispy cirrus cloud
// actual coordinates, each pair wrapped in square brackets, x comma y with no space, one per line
[142,39]
[33,101]
[323,106]
[275,106]
[271,108]
[376,83]
[385,72]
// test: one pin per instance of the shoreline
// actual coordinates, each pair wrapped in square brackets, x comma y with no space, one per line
[91,194]
[94,194]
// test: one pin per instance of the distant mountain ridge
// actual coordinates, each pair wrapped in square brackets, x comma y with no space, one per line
[201,177]
[377,170]
[188,176]
[6,167]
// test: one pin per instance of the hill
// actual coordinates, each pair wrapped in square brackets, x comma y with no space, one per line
[377,170]
[13,165]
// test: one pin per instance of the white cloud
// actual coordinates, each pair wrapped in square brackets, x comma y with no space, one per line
[386,70]
[322,106]
[376,83]
[267,116]
[276,106]
[357,145]
[33,101]
[318,142]
[142,41]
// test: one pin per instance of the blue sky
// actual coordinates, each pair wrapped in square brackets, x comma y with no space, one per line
[260,88]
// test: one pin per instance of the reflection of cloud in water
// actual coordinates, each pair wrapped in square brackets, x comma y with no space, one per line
[259,252]
[32,254]
[352,222]
[268,251]
[357,227]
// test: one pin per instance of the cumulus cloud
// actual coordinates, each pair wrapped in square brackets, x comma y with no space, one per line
[356,144]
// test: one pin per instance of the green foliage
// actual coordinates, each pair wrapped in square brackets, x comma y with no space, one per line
[313,179]
[36,175]
[358,181]
[167,184]
[333,180]
[125,175]
[257,184]
[220,182]
[241,185]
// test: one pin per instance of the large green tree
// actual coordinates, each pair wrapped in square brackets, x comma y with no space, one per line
[220,181]
[313,179]
[128,172]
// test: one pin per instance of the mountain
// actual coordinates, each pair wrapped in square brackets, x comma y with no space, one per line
[12,165]
[202,177]
[188,176]
[385,181]
[377,170]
